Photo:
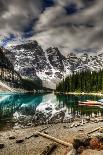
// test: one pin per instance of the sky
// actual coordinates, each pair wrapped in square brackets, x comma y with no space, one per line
[66,24]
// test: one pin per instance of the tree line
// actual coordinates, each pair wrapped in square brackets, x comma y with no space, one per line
[85,81]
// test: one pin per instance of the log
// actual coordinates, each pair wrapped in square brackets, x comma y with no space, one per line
[72,125]
[49,149]
[95,130]
[34,134]
[54,139]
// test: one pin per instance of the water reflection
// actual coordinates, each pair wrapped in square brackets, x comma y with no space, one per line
[71,101]
[29,109]
[10,104]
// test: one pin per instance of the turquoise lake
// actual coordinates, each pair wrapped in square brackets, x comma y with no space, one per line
[21,110]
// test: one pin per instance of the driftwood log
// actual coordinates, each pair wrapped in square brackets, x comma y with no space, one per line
[54,139]
[95,130]
[49,149]
[34,134]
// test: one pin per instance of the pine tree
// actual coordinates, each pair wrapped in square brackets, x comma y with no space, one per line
[85,81]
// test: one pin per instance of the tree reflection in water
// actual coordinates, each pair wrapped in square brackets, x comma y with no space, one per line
[23,103]
[71,101]
[41,108]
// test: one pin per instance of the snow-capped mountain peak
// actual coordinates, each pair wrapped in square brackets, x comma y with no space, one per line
[31,61]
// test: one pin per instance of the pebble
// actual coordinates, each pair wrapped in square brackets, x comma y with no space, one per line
[2,145]
[76,125]
[19,141]
[45,132]
[64,126]
[12,137]
[36,135]
[81,130]
[80,149]
[72,125]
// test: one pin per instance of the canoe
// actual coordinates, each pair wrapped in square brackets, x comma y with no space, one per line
[89,105]
[90,102]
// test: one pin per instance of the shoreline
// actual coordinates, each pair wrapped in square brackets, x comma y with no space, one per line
[79,93]
[23,91]
[34,145]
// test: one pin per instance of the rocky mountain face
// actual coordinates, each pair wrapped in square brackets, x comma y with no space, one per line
[4,61]
[30,60]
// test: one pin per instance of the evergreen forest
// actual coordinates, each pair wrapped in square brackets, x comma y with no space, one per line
[85,81]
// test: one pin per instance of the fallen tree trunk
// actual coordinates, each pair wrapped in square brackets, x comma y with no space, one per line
[95,130]
[54,139]
[49,149]
[33,135]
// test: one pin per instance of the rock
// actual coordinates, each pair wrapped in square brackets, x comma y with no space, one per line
[48,108]
[78,142]
[101,120]
[96,121]
[49,149]
[19,141]
[29,124]
[45,132]
[16,127]
[64,126]
[80,149]
[36,135]
[95,143]
[81,130]
[88,119]
[2,145]
[77,124]
[12,137]
[86,142]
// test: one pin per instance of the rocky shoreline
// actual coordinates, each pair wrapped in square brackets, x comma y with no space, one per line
[16,141]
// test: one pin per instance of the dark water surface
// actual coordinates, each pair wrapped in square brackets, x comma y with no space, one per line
[21,110]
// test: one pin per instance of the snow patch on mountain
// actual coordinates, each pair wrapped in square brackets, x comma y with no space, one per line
[31,61]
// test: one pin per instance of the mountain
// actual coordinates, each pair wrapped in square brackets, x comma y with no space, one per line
[4,61]
[30,60]
[10,78]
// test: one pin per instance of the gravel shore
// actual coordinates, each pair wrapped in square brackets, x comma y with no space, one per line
[35,145]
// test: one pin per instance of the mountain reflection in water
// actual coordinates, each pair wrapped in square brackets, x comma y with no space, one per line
[29,109]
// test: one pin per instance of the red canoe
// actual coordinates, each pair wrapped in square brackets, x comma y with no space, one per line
[88,102]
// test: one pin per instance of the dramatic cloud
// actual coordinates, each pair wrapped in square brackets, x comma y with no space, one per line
[17,13]
[67,24]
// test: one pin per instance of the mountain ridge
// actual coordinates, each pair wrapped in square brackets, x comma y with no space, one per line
[30,60]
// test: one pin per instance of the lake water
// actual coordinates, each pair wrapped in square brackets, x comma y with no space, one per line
[21,110]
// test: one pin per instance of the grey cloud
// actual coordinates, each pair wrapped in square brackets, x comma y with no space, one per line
[14,14]
[81,30]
